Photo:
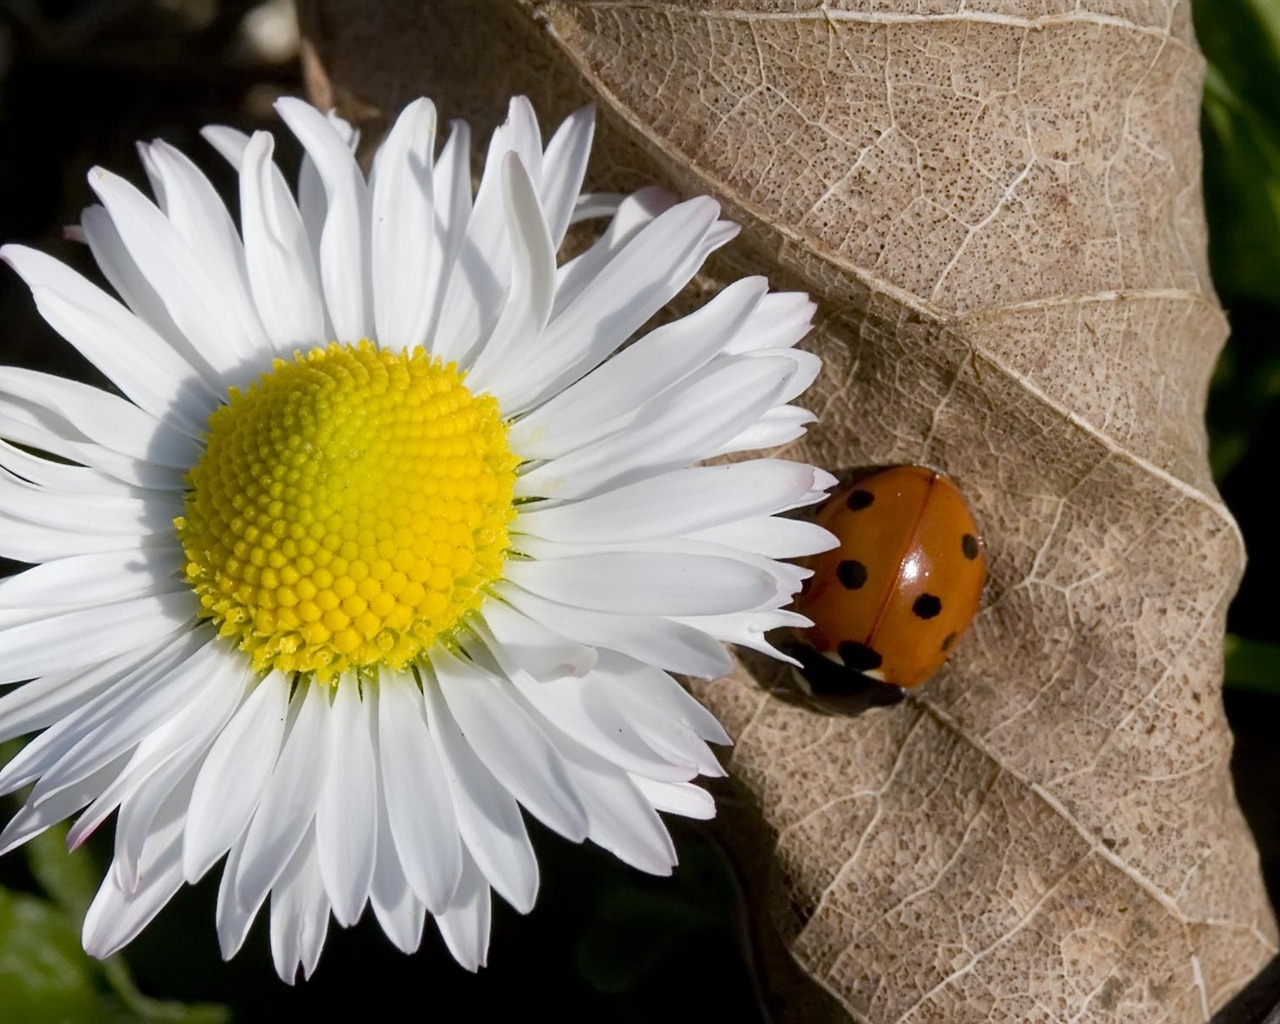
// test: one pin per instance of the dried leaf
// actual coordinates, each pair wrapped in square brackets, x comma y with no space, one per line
[997,203]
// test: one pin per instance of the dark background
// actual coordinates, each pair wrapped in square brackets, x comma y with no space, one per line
[80,81]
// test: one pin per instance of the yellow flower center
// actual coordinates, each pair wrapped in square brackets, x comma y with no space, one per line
[350,507]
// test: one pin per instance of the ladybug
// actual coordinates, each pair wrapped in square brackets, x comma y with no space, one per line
[892,600]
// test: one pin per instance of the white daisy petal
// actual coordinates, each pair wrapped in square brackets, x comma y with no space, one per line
[130,517]
[511,745]
[43,701]
[344,243]
[639,281]
[672,739]
[177,746]
[722,233]
[787,578]
[288,802]
[131,284]
[154,176]
[610,397]
[90,579]
[416,794]
[189,293]
[47,432]
[621,820]
[311,195]
[30,542]
[678,427]
[808,366]
[303,293]
[132,679]
[193,206]
[749,630]
[536,645]
[648,687]
[231,919]
[518,134]
[136,359]
[102,417]
[33,819]
[771,537]
[451,191]
[234,775]
[681,798]
[404,244]
[633,213]
[655,638]
[528,302]
[776,427]
[135,823]
[598,726]
[635,583]
[346,812]
[38,648]
[398,911]
[299,914]
[482,270]
[594,205]
[229,142]
[132,721]
[164,758]
[683,501]
[115,917]
[465,925]
[488,815]
[282,272]
[69,480]
[781,320]
[564,165]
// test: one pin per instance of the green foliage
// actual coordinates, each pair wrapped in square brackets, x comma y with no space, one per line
[1241,133]
[1252,664]
[1241,124]
[45,975]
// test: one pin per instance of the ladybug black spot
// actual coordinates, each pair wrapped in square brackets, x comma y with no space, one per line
[946,644]
[858,500]
[926,606]
[858,657]
[852,573]
[969,545]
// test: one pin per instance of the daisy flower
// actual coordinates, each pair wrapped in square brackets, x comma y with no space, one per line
[392,533]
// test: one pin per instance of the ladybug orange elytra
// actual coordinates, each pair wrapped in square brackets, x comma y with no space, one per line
[902,587]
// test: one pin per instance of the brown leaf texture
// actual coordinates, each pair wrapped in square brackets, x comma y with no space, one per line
[997,205]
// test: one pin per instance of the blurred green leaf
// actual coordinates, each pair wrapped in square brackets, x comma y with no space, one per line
[1241,38]
[44,974]
[1241,122]
[1252,664]
[1245,246]
[71,879]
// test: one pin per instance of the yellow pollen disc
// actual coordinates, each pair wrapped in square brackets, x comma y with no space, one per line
[350,507]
